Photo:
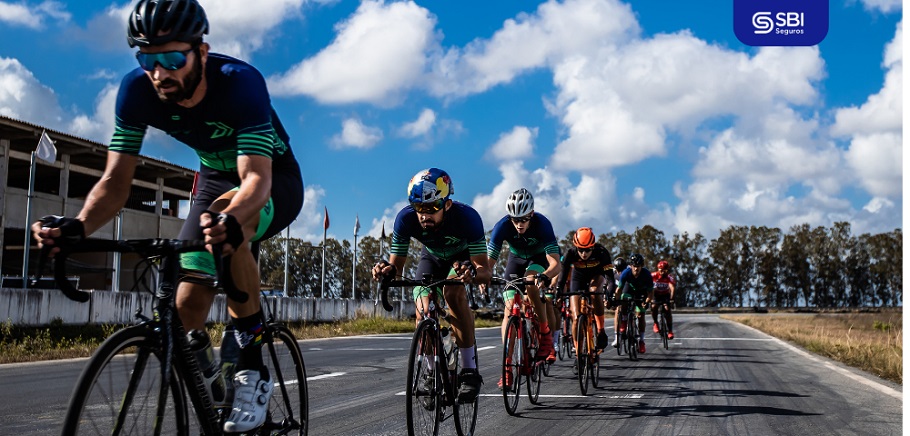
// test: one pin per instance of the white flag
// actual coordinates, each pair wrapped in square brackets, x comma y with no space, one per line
[46,150]
[356,224]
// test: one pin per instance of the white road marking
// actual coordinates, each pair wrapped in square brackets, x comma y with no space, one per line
[329,375]
[486,348]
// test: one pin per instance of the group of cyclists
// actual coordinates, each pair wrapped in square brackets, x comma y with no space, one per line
[250,188]
[454,246]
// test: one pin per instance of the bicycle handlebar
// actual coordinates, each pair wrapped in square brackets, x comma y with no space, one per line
[391,282]
[144,247]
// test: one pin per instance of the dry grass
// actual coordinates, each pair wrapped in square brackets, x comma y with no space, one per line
[872,342]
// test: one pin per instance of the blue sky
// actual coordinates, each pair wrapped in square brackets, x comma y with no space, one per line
[614,114]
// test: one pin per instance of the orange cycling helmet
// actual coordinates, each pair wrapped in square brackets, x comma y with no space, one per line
[584,238]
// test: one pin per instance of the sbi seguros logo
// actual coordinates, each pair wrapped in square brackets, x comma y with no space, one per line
[780,22]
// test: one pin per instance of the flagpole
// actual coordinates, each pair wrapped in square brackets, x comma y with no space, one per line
[28,220]
[286,247]
[325,228]
[354,270]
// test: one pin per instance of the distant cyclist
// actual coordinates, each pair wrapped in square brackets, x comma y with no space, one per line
[664,291]
[249,185]
[589,264]
[634,283]
[533,252]
[451,233]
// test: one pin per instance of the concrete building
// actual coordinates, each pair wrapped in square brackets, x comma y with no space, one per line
[159,191]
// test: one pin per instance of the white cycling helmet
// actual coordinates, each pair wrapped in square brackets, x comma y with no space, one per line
[520,203]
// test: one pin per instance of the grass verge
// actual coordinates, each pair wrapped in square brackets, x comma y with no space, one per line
[58,341]
[872,342]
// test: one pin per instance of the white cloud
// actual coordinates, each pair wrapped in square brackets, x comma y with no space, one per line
[883,5]
[420,126]
[239,27]
[377,54]
[308,225]
[517,144]
[99,126]
[23,97]
[21,15]
[354,134]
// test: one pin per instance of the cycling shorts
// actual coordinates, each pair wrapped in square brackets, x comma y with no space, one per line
[661,298]
[282,208]
[438,268]
[520,267]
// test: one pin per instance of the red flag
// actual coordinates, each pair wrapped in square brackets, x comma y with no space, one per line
[195,189]
[325,222]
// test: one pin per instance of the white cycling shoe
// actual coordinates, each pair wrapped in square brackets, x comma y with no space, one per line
[251,402]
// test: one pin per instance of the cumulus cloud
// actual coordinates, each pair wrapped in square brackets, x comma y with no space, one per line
[378,53]
[419,127]
[23,97]
[20,14]
[100,125]
[882,5]
[354,134]
[240,27]
[517,144]
[308,225]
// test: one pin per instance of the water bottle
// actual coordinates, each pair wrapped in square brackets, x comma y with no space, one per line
[448,344]
[230,354]
[201,346]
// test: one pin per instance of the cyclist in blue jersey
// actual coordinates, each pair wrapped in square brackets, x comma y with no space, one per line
[634,282]
[249,185]
[589,265]
[533,252]
[453,242]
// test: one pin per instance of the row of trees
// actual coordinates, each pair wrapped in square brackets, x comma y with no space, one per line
[743,266]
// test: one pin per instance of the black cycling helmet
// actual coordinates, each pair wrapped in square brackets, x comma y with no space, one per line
[636,260]
[156,22]
[619,264]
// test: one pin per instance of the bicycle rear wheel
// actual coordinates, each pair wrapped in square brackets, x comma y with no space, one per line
[289,406]
[582,353]
[120,390]
[534,379]
[424,389]
[465,413]
[512,361]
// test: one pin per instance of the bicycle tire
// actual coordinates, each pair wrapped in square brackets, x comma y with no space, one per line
[424,385]
[594,361]
[632,335]
[582,353]
[534,380]
[289,405]
[126,370]
[663,330]
[560,345]
[465,413]
[512,361]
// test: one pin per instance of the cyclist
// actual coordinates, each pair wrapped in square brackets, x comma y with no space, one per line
[664,290]
[451,233]
[589,264]
[533,252]
[634,282]
[249,186]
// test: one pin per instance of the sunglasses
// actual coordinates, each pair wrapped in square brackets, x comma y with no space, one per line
[169,60]
[429,208]
[585,250]
[521,219]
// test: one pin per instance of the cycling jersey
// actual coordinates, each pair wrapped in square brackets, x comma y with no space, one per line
[539,238]
[640,285]
[461,229]
[235,118]
[662,283]
[583,271]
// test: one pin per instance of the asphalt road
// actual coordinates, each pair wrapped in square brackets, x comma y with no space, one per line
[717,378]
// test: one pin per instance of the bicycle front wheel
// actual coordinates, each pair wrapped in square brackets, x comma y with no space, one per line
[583,353]
[594,360]
[289,406]
[663,330]
[512,362]
[465,413]
[120,390]
[424,389]
[632,332]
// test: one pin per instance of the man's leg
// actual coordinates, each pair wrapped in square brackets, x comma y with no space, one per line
[462,320]
[654,316]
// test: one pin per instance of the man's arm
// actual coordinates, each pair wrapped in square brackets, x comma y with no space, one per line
[255,188]
[554,268]
[109,195]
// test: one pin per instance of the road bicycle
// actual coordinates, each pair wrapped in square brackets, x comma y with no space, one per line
[520,344]
[587,356]
[434,363]
[566,346]
[139,379]
[629,334]
[662,325]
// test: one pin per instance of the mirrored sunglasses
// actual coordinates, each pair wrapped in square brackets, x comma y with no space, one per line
[521,219]
[429,208]
[585,250]
[169,60]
